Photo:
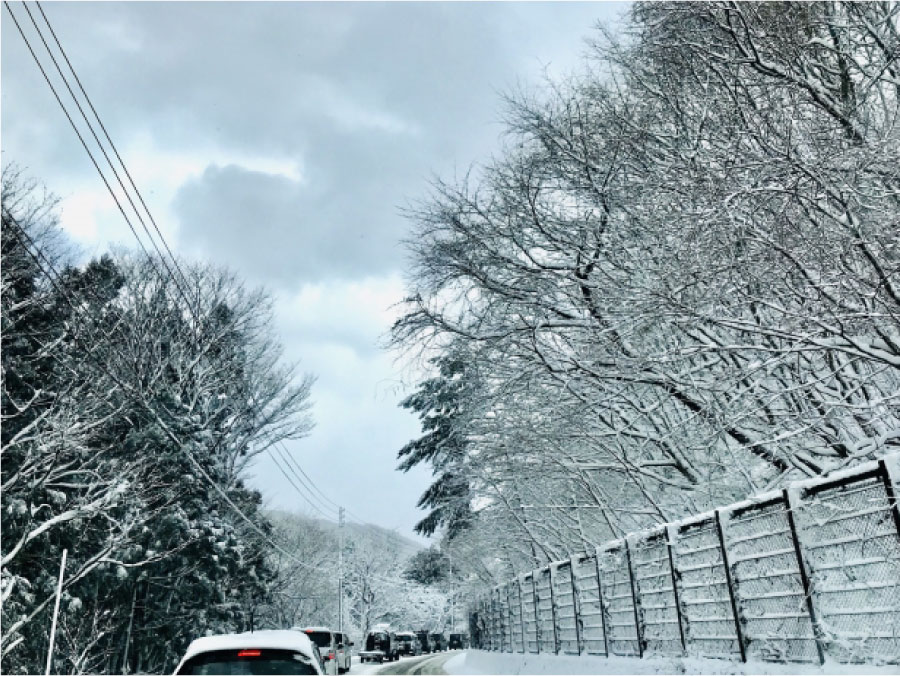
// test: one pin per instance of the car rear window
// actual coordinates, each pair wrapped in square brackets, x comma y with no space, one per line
[248,661]
[320,638]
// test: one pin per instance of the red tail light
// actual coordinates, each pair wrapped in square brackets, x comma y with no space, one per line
[329,656]
[248,653]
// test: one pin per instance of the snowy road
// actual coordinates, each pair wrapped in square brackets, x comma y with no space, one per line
[426,664]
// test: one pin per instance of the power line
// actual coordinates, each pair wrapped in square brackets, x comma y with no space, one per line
[112,145]
[311,482]
[80,137]
[297,488]
[100,146]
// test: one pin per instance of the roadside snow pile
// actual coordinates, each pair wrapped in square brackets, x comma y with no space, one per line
[484,662]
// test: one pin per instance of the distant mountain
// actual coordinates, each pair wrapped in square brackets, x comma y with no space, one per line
[357,532]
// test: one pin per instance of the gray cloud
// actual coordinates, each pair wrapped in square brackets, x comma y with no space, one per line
[369,98]
[284,230]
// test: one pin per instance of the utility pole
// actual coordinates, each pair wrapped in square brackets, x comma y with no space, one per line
[62,571]
[452,594]
[341,570]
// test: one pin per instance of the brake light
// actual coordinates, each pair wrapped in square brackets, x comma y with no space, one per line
[249,653]
[329,656]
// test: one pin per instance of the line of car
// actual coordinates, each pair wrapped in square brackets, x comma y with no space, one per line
[304,650]
[383,644]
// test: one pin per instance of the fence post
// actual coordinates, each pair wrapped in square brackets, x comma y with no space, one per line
[521,614]
[537,619]
[498,619]
[576,608]
[497,634]
[670,538]
[634,601]
[553,614]
[804,578]
[499,616]
[602,604]
[889,481]
[486,624]
[507,620]
[509,617]
[729,582]
[501,619]
[489,617]
[489,622]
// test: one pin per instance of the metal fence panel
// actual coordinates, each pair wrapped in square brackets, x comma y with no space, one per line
[529,609]
[620,612]
[544,600]
[503,592]
[484,624]
[508,621]
[708,619]
[657,601]
[852,551]
[564,599]
[500,616]
[768,586]
[591,609]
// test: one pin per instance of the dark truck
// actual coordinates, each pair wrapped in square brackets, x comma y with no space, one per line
[438,642]
[423,639]
[458,641]
[380,646]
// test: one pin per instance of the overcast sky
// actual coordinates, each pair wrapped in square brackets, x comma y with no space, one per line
[282,140]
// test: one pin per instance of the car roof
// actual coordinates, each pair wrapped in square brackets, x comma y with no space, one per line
[315,629]
[278,639]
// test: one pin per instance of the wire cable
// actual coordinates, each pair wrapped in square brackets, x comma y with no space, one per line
[80,137]
[113,146]
[90,126]
[297,488]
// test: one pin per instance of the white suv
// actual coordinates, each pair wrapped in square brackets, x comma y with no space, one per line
[344,654]
[335,652]
[259,652]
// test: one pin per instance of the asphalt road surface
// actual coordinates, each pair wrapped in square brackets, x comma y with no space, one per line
[426,664]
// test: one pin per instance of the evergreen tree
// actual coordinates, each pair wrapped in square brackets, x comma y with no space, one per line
[439,405]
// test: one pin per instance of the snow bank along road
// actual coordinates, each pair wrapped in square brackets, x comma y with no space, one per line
[483,662]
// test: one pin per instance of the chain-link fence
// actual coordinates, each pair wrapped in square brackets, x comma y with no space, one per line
[810,573]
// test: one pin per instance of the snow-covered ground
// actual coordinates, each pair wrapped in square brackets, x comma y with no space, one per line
[484,662]
[358,667]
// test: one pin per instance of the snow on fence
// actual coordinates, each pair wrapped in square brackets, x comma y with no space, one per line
[801,575]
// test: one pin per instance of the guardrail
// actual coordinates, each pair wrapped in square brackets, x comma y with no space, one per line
[800,575]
